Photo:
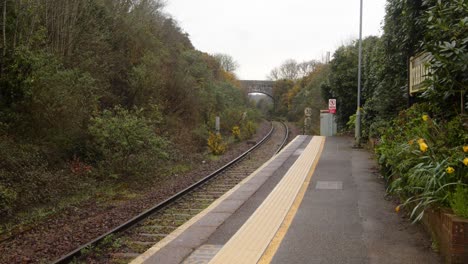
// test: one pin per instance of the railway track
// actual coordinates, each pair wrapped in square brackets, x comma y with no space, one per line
[129,240]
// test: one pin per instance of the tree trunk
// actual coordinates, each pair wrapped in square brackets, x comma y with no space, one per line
[15,34]
[4,27]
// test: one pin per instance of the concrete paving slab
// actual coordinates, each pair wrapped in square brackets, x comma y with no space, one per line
[213,219]
[251,186]
[228,206]
[169,255]
[193,237]
[242,194]
[329,185]
[260,179]
[203,254]
[271,168]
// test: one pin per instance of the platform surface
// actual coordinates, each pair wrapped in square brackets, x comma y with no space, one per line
[345,218]
[193,235]
[318,201]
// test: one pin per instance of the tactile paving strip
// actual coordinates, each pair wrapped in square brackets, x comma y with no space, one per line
[251,240]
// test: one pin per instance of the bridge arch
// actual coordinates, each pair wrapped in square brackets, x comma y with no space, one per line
[263,87]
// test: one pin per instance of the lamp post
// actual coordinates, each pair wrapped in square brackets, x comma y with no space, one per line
[358,112]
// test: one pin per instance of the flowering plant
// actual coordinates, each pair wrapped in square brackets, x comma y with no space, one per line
[427,173]
[216,144]
[236,132]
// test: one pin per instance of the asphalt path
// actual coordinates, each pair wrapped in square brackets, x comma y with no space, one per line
[344,216]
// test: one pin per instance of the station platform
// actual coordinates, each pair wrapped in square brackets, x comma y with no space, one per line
[317,201]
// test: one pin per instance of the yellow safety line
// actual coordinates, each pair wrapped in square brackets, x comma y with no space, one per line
[281,233]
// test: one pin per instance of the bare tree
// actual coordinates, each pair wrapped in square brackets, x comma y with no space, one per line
[306,67]
[287,70]
[227,62]
[292,70]
[274,74]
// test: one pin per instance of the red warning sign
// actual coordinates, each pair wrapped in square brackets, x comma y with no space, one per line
[332,106]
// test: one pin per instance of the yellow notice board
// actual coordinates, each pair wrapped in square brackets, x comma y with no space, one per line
[419,71]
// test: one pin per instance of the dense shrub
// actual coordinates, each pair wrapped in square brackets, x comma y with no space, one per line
[125,142]
[236,133]
[232,117]
[248,129]
[446,38]
[216,144]
[199,136]
[55,101]
[26,177]
[7,199]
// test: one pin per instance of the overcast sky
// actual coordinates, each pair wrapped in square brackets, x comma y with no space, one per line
[261,34]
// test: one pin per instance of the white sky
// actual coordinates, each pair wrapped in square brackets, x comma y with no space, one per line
[262,34]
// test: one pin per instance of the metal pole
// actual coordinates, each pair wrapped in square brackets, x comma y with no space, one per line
[358,112]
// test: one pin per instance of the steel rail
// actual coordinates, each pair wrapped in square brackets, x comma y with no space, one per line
[285,138]
[78,251]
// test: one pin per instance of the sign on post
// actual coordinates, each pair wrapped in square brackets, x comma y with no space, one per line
[307,120]
[308,112]
[332,106]
[419,72]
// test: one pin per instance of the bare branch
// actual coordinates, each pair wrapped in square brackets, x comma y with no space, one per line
[226,62]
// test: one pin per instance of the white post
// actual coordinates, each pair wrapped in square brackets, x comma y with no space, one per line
[217,124]
[358,112]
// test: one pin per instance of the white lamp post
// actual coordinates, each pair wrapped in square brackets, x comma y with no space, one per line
[358,112]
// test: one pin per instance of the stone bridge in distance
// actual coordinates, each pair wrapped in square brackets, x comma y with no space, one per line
[263,87]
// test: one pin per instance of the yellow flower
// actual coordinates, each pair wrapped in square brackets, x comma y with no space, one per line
[421,140]
[465,161]
[425,117]
[449,170]
[411,142]
[423,146]
[397,209]
[236,132]
[465,148]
